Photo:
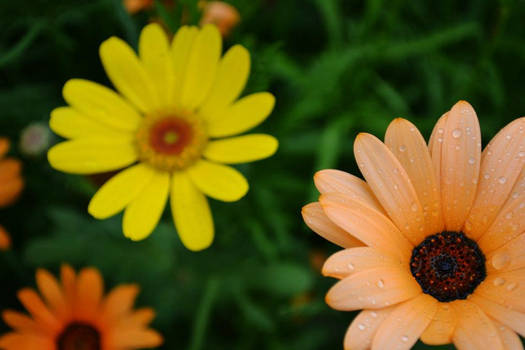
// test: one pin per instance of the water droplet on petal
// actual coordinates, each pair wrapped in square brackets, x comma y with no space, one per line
[404,338]
[402,148]
[361,326]
[373,314]
[471,160]
[381,283]
[502,179]
[512,286]
[456,133]
[499,281]
[351,267]
[500,260]
[413,207]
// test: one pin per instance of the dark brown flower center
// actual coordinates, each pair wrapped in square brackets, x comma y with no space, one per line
[448,266]
[79,336]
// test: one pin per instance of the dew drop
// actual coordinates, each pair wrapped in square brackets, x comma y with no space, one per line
[404,338]
[440,130]
[402,148]
[499,281]
[512,286]
[521,154]
[373,314]
[502,179]
[361,326]
[351,267]
[500,260]
[456,133]
[413,207]
[381,283]
[471,161]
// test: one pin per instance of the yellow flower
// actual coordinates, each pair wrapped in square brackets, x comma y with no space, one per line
[75,314]
[434,239]
[174,101]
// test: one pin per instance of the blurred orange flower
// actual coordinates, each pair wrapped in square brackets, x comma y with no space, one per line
[223,15]
[5,239]
[134,6]
[11,183]
[76,315]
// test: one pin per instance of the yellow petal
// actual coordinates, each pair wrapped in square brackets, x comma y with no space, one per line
[93,155]
[202,67]
[232,74]
[128,75]
[180,53]
[119,191]
[218,181]
[144,212]
[70,123]
[101,104]
[243,115]
[241,149]
[154,52]
[191,213]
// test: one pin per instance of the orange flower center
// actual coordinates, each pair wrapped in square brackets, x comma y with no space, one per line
[170,142]
[448,266]
[79,336]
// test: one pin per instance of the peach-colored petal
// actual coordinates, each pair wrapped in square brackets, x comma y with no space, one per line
[407,144]
[317,221]
[363,328]
[474,329]
[511,341]
[510,222]
[373,289]
[434,143]
[456,153]
[90,290]
[501,164]
[366,224]
[403,327]
[441,328]
[505,288]
[509,317]
[120,300]
[391,185]
[51,291]
[330,180]
[354,260]
[509,257]
[40,312]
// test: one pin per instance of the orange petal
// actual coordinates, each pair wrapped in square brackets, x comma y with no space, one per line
[137,338]
[509,257]
[4,146]
[68,277]
[90,290]
[505,288]
[330,180]
[434,147]
[317,221]
[51,291]
[10,168]
[10,190]
[32,302]
[373,289]
[441,328]
[501,164]
[404,325]
[22,341]
[391,185]
[367,224]
[19,321]
[474,330]
[5,239]
[354,260]
[120,300]
[363,328]
[457,154]
[511,341]
[137,319]
[510,318]
[409,147]
[510,222]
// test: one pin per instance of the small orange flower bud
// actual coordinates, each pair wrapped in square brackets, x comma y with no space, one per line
[223,15]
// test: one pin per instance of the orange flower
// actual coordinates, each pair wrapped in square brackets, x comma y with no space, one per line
[11,183]
[76,315]
[223,15]
[437,236]
[5,239]
[134,6]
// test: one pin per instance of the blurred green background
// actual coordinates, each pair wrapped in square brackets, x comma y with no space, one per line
[337,67]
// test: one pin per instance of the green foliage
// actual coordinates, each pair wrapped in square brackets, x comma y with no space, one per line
[336,67]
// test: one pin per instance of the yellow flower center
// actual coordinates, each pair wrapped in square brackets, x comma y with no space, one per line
[79,336]
[170,142]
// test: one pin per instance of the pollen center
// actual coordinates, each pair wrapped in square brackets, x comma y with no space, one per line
[170,142]
[79,336]
[448,266]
